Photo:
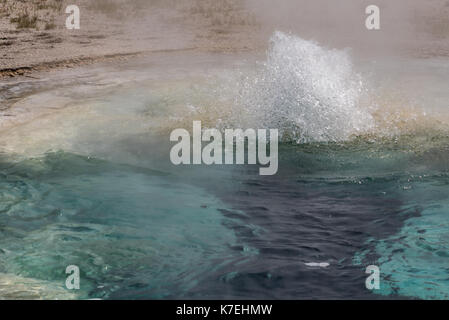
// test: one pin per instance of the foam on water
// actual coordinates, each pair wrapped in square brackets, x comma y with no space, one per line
[16,287]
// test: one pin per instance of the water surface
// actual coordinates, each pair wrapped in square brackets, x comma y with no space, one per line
[85,178]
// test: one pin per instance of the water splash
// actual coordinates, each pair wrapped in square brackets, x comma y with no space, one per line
[311,94]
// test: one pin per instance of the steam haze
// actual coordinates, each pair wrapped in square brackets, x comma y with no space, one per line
[406,25]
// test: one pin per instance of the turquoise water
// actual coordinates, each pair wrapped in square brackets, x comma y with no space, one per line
[414,261]
[127,228]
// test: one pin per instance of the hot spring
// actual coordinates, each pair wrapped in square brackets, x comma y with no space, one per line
[86,180]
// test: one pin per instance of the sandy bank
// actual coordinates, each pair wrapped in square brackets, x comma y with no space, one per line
[33,36]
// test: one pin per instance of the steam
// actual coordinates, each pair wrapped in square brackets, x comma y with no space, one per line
[405,24]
